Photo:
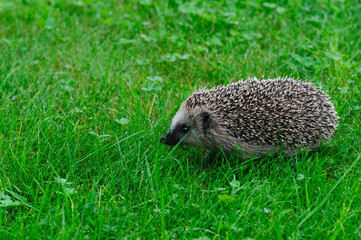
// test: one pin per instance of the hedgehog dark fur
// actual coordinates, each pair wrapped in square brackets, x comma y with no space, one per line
[255,116]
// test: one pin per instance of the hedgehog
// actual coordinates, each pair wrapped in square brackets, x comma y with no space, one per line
[254,117]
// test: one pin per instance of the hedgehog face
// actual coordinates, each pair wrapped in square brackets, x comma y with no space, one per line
[187,129]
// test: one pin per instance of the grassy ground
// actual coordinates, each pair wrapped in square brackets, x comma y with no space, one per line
[88,87]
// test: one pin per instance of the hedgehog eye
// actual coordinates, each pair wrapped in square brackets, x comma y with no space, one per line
[185,129]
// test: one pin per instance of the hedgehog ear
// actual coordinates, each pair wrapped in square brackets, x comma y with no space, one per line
[206,120]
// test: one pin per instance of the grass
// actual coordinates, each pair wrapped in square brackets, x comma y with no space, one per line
[88,87]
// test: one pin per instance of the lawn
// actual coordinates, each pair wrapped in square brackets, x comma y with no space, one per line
[88,87]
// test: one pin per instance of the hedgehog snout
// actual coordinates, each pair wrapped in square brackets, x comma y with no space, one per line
[163,138]
[169,139]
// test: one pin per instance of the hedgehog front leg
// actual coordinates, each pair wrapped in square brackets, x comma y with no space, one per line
[206,160]
[210,158]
